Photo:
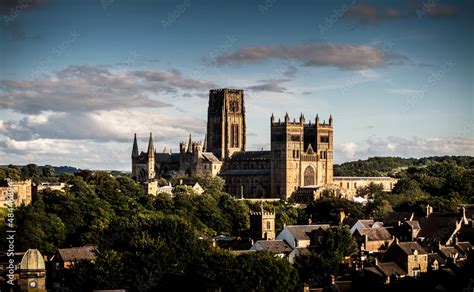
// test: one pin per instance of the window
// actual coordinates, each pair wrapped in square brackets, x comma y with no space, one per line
[355,185]
[324,139]
[234,135]
[268,225]
[309,176]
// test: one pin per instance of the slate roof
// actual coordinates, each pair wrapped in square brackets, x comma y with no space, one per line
[209,156]
[464,247]
[251,155]
[302,232]
[231,172]
[448,251]
[78,253]
[436,227]
[393,217]
[375,234]
[167,157]
[414,224]
[410,246]
[276,246]
[390,269]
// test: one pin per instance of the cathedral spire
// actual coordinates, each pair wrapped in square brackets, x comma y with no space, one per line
[190,144]
[151,147]
[204,146]
[135,147]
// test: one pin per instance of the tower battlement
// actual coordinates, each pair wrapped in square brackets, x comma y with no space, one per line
[301,122]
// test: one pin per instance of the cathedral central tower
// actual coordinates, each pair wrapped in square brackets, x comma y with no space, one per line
[226,122]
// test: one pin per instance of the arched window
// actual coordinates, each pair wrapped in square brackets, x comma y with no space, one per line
[268,225]
[309,176]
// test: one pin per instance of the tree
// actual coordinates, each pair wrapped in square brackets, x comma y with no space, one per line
[327,209]
[48,171]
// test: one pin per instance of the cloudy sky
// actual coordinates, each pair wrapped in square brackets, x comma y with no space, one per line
[79,78]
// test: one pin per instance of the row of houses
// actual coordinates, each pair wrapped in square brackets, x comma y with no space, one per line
[403,244]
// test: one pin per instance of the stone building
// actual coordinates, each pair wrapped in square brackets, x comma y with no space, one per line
[21,192]
[32,271]
[300,160]
[410,256]
[262,225]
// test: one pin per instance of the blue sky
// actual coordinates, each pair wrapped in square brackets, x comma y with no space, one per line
[78,78]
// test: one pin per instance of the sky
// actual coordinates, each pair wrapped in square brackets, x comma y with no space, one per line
[79,78]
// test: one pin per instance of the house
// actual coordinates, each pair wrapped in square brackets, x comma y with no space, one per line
[456,254]
[385,272]
[406,230]
[395,218]
[410,256]
[437,227]
[279,247]
[65,258]
[373,239]
[360,223]
[298,236]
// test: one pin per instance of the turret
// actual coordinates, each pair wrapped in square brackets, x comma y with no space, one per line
[182,147]
[272,119]
[317,120]
[287,118]
[151,158]
[135,147]
[302,119]
[190,144]
[151,147]
[330,120]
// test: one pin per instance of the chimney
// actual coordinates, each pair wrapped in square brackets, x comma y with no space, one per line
[342,216]
[429,210]
[331,280]
[310,220]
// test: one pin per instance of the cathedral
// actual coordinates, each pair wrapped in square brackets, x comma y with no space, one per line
[299,163]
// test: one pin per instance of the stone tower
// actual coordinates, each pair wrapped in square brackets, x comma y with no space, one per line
[135,158]
[32,271]
[262,225]
[302,155]
[226,122]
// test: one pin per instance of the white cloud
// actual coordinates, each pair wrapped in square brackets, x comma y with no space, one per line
[91,88]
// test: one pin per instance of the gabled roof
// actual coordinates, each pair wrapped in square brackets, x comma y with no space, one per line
[437,227]
[87,253]
[375,234]
[414,224]
[463,247]
[393,217]
[210,157]
[276,246]
[435,257]
[409,247]
[448,251]
[302,232]
[390,269]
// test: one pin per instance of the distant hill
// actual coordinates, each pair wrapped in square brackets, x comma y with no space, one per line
[65,169]
[383,166]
